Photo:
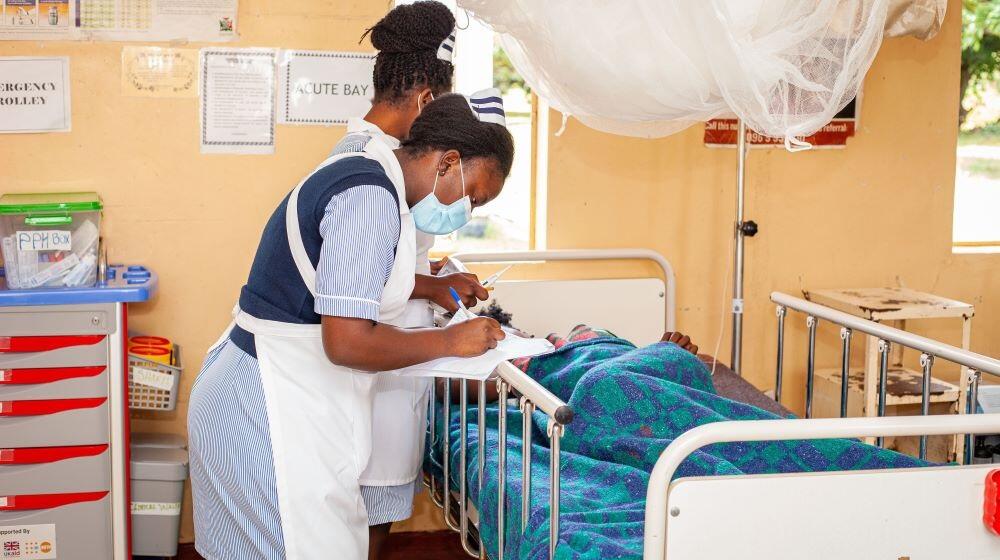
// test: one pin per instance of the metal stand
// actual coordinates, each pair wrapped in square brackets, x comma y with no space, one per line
[743,229]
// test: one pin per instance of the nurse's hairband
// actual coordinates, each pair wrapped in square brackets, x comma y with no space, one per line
[446,51]
[487,105]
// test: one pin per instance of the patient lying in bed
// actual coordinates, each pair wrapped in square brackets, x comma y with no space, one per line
[629,404]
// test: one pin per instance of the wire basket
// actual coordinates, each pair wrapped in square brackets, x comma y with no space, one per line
[152,385]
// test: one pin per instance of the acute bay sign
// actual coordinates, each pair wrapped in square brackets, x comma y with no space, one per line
[324,87]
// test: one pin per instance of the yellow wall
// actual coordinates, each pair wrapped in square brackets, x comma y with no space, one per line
[874,214]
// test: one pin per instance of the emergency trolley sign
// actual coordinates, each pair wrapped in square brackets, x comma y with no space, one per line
[723,132]
[34,94]
[324,87]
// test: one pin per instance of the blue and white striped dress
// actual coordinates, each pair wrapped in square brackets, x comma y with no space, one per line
[352,239]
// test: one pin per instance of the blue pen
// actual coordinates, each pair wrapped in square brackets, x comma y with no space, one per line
[458,300]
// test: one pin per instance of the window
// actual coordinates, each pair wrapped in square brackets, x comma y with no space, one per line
[504,223]
[977,180]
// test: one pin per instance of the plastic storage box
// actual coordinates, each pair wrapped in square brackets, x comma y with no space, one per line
[158,475]
[50,240]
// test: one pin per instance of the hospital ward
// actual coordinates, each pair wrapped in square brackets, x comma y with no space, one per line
[500,279]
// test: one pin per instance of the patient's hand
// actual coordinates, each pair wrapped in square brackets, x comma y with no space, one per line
[682,340]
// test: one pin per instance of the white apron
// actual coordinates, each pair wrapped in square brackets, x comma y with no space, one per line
[400,404]
[399,415]
[319,414]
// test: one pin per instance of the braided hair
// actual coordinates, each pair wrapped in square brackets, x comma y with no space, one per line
[448,123]
[407,39]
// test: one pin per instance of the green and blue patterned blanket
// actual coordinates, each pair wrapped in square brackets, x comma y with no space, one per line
[630,403]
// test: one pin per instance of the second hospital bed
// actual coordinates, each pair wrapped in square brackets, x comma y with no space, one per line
[707,517]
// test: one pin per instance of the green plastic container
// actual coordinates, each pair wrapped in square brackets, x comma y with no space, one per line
[50,239]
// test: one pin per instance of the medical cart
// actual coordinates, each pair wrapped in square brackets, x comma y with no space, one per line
[64,461]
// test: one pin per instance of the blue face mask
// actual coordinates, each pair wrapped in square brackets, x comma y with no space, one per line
[433,217]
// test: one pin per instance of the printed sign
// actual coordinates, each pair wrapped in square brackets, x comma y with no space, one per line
[118,20]
[44,240]
[237,101]
[28,542]
[324,87]
[156,508]
[34,94]
[723,132]
[152,378]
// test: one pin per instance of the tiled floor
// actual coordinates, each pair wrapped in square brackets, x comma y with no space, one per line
[439,545]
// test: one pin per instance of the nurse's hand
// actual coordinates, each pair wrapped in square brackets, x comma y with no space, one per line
[436,289]
[474,337]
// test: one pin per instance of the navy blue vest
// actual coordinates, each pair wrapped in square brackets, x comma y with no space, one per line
[274,290]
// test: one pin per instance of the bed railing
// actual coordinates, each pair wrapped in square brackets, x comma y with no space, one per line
[531,396]
[658,512]
[973,365]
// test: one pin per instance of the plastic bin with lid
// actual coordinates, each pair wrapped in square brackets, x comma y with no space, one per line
[50,240]
[158,475]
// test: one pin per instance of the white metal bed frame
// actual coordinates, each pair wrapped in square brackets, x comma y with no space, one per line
[664,495]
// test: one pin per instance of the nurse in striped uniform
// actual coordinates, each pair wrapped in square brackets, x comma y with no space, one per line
[414,64]
[280,417]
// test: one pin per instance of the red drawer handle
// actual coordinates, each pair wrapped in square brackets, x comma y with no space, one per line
[38,408]
[35,455]
[45,343]
[31,376]
[47,501]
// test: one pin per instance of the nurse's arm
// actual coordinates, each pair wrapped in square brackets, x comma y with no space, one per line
[370,346]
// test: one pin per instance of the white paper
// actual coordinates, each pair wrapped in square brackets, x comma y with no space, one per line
[480,367]
[237,101]
[989,398]
[324,87]
[27,542]
[44,240]
[152,378]
[118,20]
[34,94]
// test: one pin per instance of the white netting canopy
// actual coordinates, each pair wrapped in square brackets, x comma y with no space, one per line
[653,67]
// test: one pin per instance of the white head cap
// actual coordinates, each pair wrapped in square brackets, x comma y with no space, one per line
[487,105]
[446,51]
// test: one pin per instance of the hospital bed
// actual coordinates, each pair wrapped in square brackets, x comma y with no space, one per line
[931,512]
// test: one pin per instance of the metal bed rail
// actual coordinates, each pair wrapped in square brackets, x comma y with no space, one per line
[531,396]
[973,365]
[657,494]
[669,278]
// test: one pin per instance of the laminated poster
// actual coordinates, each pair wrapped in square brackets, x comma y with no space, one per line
[34,94]
[237,101]
[324,87]
[118,20]
[159,72]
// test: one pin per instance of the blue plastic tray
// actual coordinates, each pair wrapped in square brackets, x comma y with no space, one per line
[124,284]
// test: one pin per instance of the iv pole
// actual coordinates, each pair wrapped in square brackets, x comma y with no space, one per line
[743,229]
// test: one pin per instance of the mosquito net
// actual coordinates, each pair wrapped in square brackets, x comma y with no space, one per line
[653,67]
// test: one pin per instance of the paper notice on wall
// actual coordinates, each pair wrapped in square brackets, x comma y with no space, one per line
[28,542]
[34,94]
[118,20]
[159,72]
[237,101]
[324,87]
